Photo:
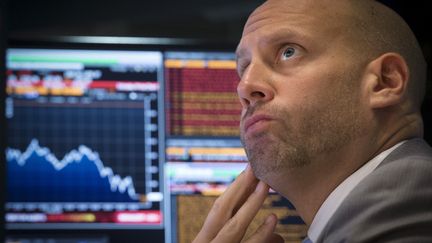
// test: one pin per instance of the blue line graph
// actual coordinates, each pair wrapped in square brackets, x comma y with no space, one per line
[36,175]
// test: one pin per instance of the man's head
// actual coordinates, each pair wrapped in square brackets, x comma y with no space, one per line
[321,77]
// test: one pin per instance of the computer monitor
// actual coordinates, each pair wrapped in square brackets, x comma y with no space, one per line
[203,150]
[116,143]
[84,136]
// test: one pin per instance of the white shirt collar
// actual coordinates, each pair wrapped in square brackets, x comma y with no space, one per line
[336,197]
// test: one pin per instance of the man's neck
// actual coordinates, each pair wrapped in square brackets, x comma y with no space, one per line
[307,187]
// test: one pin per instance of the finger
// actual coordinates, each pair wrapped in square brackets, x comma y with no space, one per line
[235,228]
[227,204]
[265,233]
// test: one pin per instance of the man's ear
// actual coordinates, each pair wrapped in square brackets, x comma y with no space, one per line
[386,80]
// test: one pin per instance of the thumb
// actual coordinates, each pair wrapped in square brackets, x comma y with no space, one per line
[265,233]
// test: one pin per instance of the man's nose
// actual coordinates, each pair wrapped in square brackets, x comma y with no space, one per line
[254,86]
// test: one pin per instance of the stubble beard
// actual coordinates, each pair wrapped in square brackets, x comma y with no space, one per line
[268,153]
[322,131]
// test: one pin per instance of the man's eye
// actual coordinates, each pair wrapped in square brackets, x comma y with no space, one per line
[288,52]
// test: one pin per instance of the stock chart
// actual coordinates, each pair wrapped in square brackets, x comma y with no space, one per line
[83,138]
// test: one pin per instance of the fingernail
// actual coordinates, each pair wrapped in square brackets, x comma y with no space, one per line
[247,169]
[269,219]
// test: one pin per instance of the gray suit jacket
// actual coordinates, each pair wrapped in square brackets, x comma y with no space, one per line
[392,204]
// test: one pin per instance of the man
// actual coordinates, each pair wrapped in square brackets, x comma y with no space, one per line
[331,93]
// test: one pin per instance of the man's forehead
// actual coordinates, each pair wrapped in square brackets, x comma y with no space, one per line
[310,7]
[300,16]
[294,6]
[276,11]
[272,7]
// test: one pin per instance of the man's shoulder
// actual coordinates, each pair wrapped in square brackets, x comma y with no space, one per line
[413,148]
[405,164]
[393,202]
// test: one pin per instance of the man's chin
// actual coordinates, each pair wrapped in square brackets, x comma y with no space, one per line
[261,167]
[271,178]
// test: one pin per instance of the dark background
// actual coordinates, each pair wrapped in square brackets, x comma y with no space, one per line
[218,21]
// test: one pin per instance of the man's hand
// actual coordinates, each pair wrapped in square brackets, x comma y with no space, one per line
[234,210]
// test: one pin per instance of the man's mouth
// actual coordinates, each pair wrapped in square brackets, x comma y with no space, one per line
[254,122]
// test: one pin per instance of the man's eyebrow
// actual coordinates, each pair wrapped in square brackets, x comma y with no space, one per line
[284,35]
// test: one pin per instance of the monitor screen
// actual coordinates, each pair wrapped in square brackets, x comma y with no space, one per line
[138,140]
[203,150]
[83,138]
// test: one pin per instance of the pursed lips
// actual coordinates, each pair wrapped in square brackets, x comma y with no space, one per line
[254,120]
